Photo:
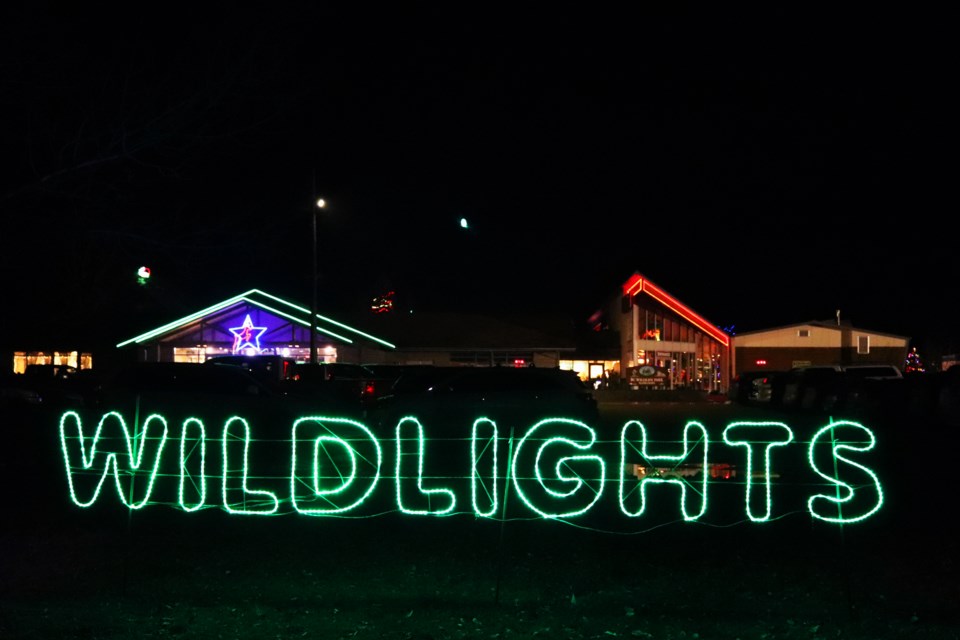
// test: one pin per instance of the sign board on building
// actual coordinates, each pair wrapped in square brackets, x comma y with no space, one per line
[646,377]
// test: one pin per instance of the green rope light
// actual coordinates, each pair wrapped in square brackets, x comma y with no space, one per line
[840,437]
[297,320]
[564,474]
[693,432]
[402,458]
[188,450]
[477,453]
[325,319]
[264,502]
[110,430]
[769,434]
[330,432]
[555,468]
[246,296]
[182,321]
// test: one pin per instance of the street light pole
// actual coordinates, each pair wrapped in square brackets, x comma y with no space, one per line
[321,203]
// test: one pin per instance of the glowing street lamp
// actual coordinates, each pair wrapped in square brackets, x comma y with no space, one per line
[321,204]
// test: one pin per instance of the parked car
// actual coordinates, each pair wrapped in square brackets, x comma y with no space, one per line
[447,401]
[852,389]
[459,395]
[386,375]
[176,382]
[762,388]
[868,388]
[948,397]
[268,369]
[873,371]
[752,387]
[816,387]
[16,391]
[47,385]
[352,383]
[389,372]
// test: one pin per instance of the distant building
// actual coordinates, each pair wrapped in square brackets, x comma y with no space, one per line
[658,330]
[257,322]
[254,323]
[815,343]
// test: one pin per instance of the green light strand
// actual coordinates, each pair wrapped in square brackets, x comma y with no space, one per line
[853,436]
[335,465]
[271,499]
[185,455]
[769,434]
[491,444]
[110,422]
[429,493]
[574,482]
[687,494]
[333,434]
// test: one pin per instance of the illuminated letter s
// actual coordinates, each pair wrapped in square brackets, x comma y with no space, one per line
[837,438]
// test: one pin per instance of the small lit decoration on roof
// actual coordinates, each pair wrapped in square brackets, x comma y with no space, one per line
[143,275]
[247,336]
[383,304]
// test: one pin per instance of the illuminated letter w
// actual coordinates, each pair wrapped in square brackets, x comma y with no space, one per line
[111,442]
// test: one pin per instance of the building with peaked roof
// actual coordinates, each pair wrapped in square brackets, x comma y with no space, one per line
[816,343]
[254,322]
[660,333]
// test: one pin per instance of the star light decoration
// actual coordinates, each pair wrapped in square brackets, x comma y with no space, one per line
[247,335]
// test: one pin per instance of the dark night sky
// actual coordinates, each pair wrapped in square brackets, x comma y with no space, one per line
[766,169]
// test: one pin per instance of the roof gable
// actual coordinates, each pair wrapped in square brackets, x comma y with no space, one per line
[823,324]
[638,284]
[289,311]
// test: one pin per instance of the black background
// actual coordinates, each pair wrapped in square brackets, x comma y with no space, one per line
[764,167]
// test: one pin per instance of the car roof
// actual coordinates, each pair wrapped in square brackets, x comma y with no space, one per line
[874,370]
[175,376]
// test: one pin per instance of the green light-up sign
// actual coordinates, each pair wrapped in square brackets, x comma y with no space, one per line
[558,468]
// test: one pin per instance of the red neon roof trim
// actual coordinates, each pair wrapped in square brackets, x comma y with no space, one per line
[637,283]
[633,285]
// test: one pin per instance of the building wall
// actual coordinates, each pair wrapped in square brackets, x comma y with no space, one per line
[783,358]
[783,348]
[682,340]
[818,337]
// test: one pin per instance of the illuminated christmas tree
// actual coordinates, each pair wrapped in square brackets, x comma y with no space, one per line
[913,363]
